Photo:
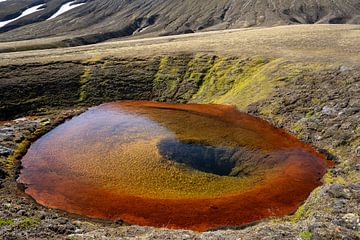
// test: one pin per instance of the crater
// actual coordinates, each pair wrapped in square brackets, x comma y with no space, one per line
[182,166]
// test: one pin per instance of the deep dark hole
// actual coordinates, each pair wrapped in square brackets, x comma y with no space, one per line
[199,156]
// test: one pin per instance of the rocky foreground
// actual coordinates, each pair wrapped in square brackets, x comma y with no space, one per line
[318,101]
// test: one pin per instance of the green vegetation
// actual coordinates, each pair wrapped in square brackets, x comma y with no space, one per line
[83,80]
[305,235]
[20,150]
[6,221]
[167,77]
[26,222]
[298,214]
[244,81]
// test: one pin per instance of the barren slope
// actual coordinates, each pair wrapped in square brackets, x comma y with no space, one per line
[99,20]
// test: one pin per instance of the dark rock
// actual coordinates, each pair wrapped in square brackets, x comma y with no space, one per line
[63,220]
[119,221]
[4,151]
[3,174]
[22,213]
[60,229]
[327,154]
[357,151]
[338,191]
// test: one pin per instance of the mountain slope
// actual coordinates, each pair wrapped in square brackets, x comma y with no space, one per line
[99,20]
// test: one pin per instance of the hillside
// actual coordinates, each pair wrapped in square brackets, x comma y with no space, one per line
[100,20]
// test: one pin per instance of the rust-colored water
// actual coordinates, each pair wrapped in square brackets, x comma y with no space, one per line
[185,166]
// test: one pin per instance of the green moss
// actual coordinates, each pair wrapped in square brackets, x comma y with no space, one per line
[219,79]
[246,81]
[84,78]
[165,78]
[310,114]
[6,221]
[305,235]
[328,178]
[72,238]
[298,128]
[171,75]
[298,214]
[315,101]
[241,81]
[26,222]
[20,150]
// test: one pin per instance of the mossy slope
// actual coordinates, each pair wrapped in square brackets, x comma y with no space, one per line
[182,78]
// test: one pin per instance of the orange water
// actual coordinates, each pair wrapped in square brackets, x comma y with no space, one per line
[185,166]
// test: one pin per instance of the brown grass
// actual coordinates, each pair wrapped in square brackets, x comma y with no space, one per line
[324,43]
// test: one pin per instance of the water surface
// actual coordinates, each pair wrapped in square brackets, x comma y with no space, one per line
[171,165]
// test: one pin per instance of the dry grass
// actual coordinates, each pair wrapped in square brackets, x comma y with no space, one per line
[325,43]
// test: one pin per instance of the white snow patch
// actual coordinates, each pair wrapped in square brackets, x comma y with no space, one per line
[23,14]
[64,8]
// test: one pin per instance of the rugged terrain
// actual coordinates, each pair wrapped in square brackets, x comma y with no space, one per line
[305,79]
[100,20]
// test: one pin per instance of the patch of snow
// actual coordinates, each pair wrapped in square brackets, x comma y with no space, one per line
[23,14]
[64,8]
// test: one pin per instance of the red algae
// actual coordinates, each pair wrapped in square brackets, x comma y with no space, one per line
[181,166]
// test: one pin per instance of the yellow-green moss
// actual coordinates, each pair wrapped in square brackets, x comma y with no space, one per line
[26,222]
[310,114]
[162,65]
[20,150]
[315,101]
[239,81]
[219,79]
[351,176]
[305,235]
[165,80]
[83,80]
[245,81]
[328,178]
[6,221]
[298,214]
[298,128]
[72,238]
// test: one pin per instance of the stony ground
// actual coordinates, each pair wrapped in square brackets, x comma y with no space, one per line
[321,108]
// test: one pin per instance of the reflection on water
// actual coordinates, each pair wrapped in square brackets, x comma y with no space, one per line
[206,158]
[181,166]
